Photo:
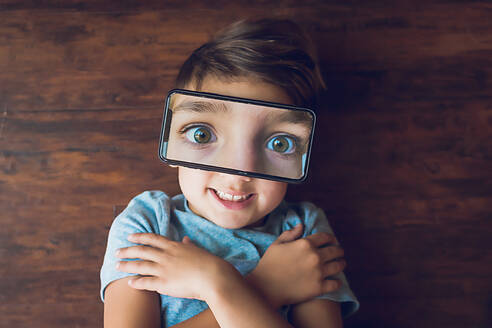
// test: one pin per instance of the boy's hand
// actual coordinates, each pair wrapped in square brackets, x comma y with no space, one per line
[178,269]
[292,271]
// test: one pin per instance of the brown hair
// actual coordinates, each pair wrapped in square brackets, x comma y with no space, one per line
[275,51]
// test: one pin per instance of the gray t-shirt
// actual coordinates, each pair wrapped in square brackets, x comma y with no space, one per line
[155,212]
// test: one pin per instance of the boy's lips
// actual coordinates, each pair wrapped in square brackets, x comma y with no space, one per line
[232,200]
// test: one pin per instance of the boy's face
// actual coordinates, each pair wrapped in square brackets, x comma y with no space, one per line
[233,201]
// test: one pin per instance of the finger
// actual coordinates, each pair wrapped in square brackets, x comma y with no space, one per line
[140,252]
[322,238]
[187,240]
[290,235]
[330,285]
[138,267]
[145,283]
[150,239]
[334,267]
[329,253]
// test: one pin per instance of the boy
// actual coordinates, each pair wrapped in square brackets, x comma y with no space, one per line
[189,253]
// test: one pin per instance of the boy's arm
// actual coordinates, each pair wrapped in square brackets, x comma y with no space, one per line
[206,318]
[316,313]
[235,304]
[282,257]
[125,307]
[268,279]
[183,270]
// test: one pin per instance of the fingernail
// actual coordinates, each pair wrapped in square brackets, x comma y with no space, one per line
[118,265]
[117,253]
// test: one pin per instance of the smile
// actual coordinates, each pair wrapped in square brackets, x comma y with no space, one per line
[235,198]
[232,201]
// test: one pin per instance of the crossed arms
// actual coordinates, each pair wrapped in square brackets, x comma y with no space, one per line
[292,271]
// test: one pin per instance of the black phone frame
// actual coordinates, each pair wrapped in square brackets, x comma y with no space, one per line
[166,120]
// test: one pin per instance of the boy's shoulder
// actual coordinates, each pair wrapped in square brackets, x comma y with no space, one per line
[155,200]
[147,204]
[302,209]
[148,211]
[149,198]
[289,214]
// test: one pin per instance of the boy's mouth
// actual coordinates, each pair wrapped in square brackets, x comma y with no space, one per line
[232,201]
[235,198]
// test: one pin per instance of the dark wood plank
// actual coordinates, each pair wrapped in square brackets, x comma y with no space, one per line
[96,64]
[56,314]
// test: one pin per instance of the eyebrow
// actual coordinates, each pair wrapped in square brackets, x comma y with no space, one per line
[293,116]
[288,115]
[201,107]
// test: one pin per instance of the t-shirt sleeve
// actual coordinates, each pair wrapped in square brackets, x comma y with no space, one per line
[143,214]
[315,221]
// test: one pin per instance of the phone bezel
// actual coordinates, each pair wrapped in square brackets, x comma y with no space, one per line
[166,120]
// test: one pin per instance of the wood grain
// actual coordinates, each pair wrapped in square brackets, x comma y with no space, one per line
[401,163]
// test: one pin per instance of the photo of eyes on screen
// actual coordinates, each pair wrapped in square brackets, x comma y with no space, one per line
[236,135]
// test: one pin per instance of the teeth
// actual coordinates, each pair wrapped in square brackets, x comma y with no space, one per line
[229,197]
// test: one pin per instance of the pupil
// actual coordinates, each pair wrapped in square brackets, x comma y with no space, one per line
[201,136]
[280,145]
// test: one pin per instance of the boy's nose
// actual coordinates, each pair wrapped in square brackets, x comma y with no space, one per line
[242,156]
[245,161]
[234,179]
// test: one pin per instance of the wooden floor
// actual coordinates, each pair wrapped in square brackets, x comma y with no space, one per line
[402,160]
